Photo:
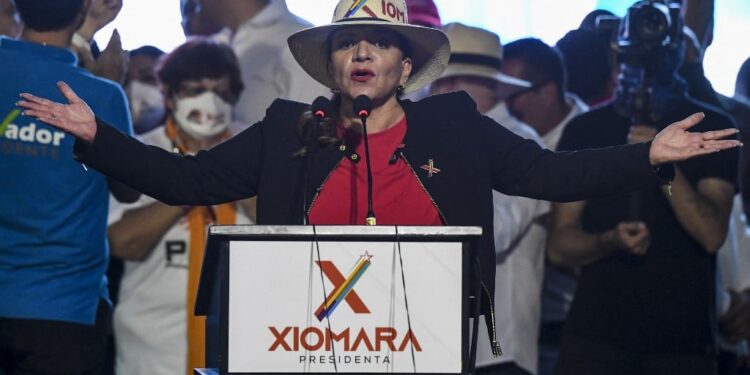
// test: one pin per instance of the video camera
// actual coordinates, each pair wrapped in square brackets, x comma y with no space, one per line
[650,26]
[648,44]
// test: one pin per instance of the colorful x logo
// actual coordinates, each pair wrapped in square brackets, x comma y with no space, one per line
[343,289]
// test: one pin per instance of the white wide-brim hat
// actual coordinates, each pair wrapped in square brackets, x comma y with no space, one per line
[429,48]
[478,53]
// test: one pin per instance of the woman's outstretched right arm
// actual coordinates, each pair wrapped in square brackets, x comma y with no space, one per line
[228,172]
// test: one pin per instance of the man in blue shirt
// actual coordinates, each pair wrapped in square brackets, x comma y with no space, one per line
[53,246]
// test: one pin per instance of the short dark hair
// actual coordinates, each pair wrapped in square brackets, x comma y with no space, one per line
[541,63]
[48,15]
[588,63]
[149,51]
[196,59]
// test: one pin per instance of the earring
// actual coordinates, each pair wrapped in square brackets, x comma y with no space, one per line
[335,90]
[400,89]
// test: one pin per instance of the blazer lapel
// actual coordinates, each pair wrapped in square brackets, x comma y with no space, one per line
[323,162]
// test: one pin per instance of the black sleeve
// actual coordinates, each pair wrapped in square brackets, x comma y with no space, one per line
[227,172]
[521,167]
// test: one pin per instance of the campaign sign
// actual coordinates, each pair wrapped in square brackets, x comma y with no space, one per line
[295,307]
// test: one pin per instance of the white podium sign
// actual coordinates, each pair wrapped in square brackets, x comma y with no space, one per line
[277,323]
[292,299]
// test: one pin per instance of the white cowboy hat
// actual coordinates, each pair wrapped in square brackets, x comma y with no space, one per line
[477,52]
[429,48]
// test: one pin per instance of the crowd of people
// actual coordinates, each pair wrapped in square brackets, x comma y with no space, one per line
[614,239]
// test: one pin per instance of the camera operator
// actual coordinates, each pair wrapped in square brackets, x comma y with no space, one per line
[645,298]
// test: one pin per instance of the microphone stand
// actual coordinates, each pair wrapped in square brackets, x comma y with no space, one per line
[370,213]
[363,105]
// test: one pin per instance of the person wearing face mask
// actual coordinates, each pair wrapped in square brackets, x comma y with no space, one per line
[162,246]
[142,88]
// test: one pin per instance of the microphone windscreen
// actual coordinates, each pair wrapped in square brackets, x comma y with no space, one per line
[362,105]
[321,107]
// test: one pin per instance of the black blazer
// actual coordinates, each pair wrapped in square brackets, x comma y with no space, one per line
[474,154]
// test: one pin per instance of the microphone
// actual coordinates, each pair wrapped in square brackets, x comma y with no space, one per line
[362,107]
[320,108]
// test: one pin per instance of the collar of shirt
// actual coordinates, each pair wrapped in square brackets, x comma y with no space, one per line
[501,115]
[577,106]
[44,52]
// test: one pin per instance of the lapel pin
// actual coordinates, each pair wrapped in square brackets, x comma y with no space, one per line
[430,168]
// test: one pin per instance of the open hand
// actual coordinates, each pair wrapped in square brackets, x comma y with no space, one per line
[100,14]
[675,143]
[113,61]
[75,117]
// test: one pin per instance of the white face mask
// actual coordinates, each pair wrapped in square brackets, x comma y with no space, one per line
[143,98]
[203,116]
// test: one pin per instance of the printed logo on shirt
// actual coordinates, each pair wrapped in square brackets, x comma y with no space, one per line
[176,254]
[28,140]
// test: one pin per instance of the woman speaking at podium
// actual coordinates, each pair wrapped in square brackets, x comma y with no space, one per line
[432,162]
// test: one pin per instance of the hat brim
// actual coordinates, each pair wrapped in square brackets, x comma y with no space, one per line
[508,85]
[430,50]
[459,69]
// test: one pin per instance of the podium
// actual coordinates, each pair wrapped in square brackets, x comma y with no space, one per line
[337,299]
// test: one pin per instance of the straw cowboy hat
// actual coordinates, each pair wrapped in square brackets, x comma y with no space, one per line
[430,48]
[477,52]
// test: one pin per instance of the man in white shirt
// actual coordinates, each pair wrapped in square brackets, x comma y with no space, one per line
[475,68]
[548,108]
[733,283]
[545,106]
[259,30]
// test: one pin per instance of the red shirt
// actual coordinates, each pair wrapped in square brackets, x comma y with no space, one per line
[398,196]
